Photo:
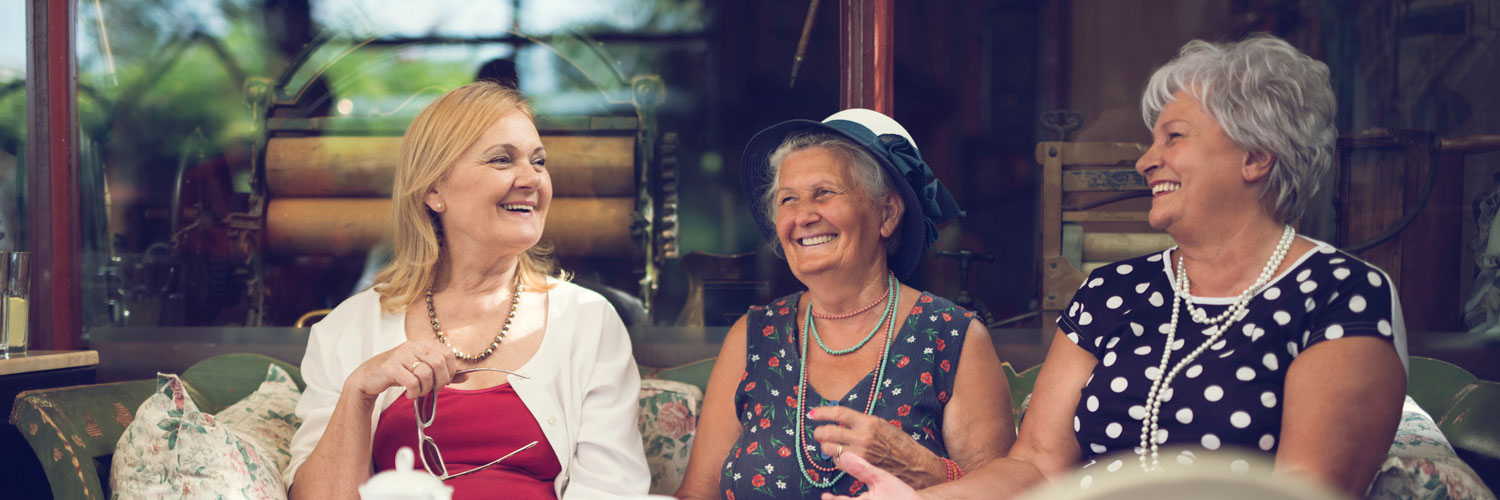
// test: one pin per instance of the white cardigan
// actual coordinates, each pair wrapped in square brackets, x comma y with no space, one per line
[584,365]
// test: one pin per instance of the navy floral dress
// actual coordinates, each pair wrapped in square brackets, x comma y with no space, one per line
[918,381]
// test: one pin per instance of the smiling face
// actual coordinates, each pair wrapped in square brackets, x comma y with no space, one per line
[825,220]
[1195,171]
[496,194]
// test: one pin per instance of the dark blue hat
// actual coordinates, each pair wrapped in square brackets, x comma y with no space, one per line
[927,202]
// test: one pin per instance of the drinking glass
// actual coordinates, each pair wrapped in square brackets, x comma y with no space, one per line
[16,292]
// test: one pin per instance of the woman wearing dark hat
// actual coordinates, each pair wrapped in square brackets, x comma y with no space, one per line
[902,377]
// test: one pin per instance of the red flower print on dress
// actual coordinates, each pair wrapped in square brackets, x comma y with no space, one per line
[781,302]
[754,445]
[945,365]
[729,495]
[757,408]
[926,298]
[943,397]
[969,314]
[901,363]
[791,401]
[904,410]
[926,378]
[947,317]
[767,331]
[750,386]
[744,375]
[814,475]
[784,311]
[916,310]
[774,362]
[758,481]
[784,452]
[896,423]
[854,488]
[764,424]
[941,344]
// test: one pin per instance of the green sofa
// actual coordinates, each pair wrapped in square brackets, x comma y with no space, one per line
[73,430]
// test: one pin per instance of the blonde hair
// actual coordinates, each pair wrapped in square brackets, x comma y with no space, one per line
[432,144]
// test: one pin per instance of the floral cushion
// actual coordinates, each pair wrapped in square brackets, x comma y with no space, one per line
[668,415]
[173,450]
[266,418]
[1423,465]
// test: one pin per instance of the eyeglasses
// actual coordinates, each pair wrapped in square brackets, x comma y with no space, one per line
[432,457]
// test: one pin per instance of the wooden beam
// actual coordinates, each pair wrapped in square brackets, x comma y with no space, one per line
[52,218]
[866,55]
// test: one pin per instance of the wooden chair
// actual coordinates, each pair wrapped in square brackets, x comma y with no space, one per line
[1093,212]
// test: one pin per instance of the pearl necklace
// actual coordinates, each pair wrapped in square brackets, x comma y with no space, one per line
[890,314]
[515,302]
[1216,328]
[803,387]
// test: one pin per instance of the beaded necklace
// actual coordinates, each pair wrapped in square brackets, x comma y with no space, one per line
[857,312]
[890,310]
[437,329]
[803,387]
[1182,296]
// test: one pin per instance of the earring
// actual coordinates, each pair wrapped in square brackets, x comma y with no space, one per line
[438,207]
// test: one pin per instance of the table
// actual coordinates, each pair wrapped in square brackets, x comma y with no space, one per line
[19,469]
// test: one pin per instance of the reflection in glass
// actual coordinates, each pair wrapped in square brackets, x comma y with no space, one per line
[183,110]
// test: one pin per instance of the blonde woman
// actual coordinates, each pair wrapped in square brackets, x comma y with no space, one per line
[467,349]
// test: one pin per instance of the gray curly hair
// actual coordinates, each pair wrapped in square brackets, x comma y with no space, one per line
[1268,97]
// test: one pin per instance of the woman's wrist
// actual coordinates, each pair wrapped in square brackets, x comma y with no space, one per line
[952,470]
[932,472]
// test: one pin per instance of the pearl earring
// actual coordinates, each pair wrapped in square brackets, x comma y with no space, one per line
[438,207]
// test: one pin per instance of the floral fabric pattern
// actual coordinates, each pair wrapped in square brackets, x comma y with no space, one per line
[917,383]
[173,450]
[668,416]
[266,418]
[1422,464]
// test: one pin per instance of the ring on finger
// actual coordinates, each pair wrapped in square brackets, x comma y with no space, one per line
[414,364]
[839,453]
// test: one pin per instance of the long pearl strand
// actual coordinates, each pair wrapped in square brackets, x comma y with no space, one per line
[1216,328]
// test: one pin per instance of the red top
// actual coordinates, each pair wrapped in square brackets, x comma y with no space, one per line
[473,428]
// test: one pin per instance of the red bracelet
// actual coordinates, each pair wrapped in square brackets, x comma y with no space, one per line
[954,471]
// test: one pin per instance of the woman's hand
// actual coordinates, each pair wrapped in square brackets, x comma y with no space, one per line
[884,445]
[417,366]
[883,485]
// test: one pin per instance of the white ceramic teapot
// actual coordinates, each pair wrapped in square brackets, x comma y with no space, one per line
[404,483]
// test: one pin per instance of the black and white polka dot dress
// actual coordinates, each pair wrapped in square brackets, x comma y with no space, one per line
[1230,396]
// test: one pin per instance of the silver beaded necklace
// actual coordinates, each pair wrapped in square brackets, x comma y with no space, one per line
[1181,295]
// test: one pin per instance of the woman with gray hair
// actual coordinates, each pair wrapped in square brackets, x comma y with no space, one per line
[918,390]
[1243,336]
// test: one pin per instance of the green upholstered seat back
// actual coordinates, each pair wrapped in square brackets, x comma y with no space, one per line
[73,430]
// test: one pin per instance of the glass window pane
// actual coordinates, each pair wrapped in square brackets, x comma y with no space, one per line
[12,124]
[183,108]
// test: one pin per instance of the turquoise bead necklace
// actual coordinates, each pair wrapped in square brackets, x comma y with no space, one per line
[890,309]
[889,320]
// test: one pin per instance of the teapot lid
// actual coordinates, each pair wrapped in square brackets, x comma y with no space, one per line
[405,482]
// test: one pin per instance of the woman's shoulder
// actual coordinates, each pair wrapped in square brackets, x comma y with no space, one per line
[937,306]
[1115,278]
[779,307]
[362,306]
[1329,265]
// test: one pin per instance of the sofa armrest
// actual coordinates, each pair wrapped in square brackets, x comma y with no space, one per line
[69,428]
